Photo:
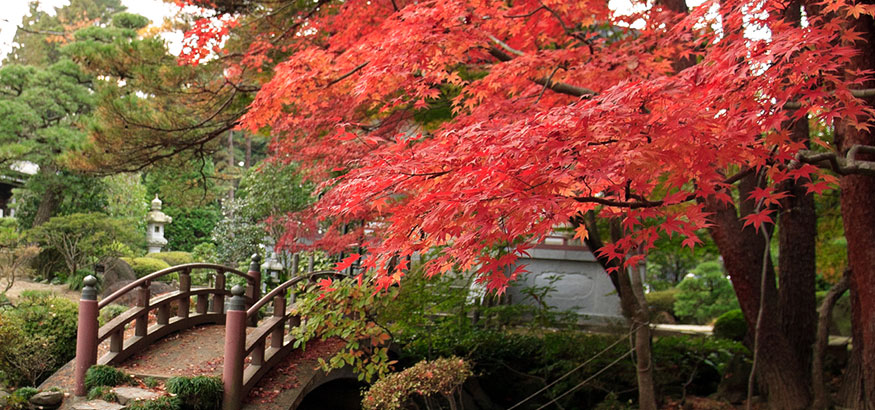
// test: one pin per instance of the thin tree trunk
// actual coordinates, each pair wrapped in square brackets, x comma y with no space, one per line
[51,198]
[643,338]
[248,160]
[820,397]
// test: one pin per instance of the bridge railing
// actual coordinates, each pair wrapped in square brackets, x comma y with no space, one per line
[238,376]
[120,348]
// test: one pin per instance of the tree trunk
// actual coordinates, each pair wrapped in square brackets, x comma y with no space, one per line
[248,160]
[820,397]
[742,248]
[634,306]
[51,198]
[858,217]
[796,262]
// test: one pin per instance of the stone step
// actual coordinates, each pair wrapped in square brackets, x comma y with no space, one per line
[97,405]
[128,394]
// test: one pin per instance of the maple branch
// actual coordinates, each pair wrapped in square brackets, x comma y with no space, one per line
[859,93]
[529,14]
[842,165]
[347,74]
[559,87]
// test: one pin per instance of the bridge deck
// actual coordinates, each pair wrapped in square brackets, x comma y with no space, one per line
[199,351]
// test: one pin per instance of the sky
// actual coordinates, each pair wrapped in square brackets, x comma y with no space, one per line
[14,10]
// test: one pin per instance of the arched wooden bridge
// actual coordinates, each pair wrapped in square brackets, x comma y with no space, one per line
[248,356]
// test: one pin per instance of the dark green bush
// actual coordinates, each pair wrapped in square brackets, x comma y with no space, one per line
[731,325]
[161,403]
[25,392]
[197,393]
[102,375]
[662,301]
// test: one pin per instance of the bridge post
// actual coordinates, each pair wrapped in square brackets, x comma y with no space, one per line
[235,343]
[86,336]
[253,290]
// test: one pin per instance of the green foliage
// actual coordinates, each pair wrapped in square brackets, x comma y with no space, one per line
[126,198]
[670,261]
[662,300]
[38,336]
[441,376]
[204,252]
[25,392]
[705,295]
[612,402]
[102,393]
[237,236]
[161,403]
[146,265]
[67,192]
[110,312]
[731,325]
[173,258]
[151,382]
[273,189]
[183,184]
[103,375]
[15,253]
[197,393]
[83,239]
[190,227]
[76,281]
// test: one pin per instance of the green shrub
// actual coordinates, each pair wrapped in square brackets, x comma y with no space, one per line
[161,403]
[443,376]
[612,402]
[25,392]
[173,258]
[76,281]
[705,295]
[151,382]
[146,265]
[731,325]
[197,393]
[102,375]
[104,393]
[37,337]
[662,300]
[110,312]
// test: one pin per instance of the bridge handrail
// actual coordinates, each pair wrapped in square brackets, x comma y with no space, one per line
[280,289]
[188,267]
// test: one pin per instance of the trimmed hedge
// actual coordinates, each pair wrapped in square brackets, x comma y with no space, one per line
[146,265]
[173,258]
[731,325]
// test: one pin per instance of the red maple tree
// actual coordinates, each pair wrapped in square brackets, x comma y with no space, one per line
[664,119]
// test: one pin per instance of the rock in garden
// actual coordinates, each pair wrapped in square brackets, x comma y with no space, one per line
[116,270]
[97,405]
[128,394]
[50,399]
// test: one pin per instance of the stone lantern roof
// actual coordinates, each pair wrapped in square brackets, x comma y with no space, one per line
[155,216]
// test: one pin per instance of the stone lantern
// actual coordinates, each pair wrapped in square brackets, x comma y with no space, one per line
[155,221]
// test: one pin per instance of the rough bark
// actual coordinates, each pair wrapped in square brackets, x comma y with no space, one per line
[858,217]
[779,370]
[634,306]
[796,262]
[820,398]
[51,198]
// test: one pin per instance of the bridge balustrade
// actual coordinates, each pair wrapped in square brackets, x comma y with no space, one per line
[239,377]
[120,347]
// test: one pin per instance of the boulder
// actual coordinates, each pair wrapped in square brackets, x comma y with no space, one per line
[48,399]
[97,405]
[115,270]
[130,299]
[128,394]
